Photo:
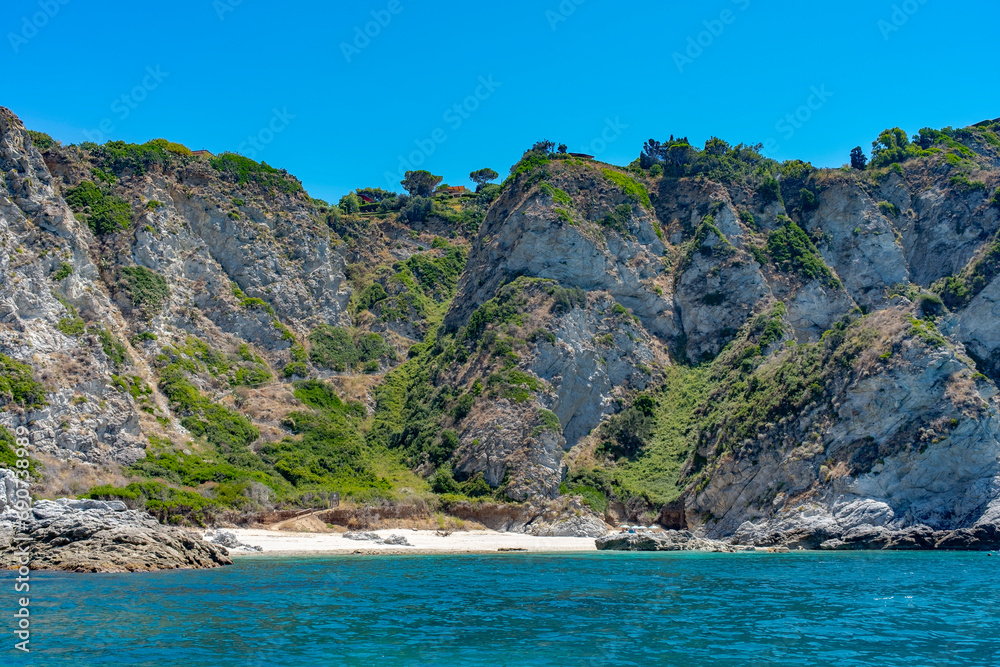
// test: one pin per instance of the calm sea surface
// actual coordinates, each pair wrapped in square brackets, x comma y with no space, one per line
[526,609]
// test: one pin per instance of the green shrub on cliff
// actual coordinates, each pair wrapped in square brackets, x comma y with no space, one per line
[62,272]
[792,251]
[958,291]
[344,349]
[632,188]
[146,289]
[41,140]
[113,348]
[245,171]
[8,453]
[120,157]
[769,190]
[18,385]
[217,424]
[104,212]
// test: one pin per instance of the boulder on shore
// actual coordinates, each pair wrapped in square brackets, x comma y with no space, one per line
[97,536]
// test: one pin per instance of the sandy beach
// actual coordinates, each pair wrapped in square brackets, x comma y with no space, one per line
[421,541]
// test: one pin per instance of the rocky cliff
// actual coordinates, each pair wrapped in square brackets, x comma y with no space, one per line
[94,536]
[731,345]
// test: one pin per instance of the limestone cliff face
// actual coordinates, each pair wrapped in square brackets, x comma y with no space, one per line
[240,264]
[902,433]
[781,353]
[94,422]
[906,430]
[552,232]
[571,362]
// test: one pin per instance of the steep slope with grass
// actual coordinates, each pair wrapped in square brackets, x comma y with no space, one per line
[164,311]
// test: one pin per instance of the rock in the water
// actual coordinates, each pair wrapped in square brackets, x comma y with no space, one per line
[980,538]
[667,540]
[97,536]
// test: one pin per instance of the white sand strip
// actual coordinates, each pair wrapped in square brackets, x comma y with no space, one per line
[422,541]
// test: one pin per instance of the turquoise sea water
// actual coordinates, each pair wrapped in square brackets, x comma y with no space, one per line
[528,609]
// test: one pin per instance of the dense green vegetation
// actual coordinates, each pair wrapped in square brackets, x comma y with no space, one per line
[632,188]
[18,385]
[72,326]
[327,453]
[438,275]
[120,158]
[417,290]
[958,291]
[230,431]
[105,213]
[371,295]
[245,171]
[792,251]
[166,503]
[146,289]
[893,147]
[332,452]
[718,161]
[41,140]
[345,349]
[533,164]
[245,368]
[650,442]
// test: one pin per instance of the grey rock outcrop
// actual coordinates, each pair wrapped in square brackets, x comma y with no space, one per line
[907,444]
[563,517]
[39,233]
[229,540]
[666,540]
[99,536]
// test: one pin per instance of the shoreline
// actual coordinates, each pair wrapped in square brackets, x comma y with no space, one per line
[423,542]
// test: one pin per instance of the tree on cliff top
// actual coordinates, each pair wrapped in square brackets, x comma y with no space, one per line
[420,183]
[858,159]
[483,176]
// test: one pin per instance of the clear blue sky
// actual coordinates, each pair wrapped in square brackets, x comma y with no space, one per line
[568,71]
